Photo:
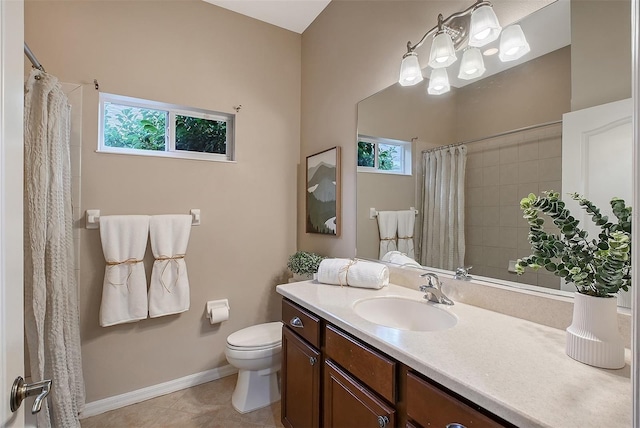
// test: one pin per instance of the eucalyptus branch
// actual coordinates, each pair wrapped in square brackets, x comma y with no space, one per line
[598,267]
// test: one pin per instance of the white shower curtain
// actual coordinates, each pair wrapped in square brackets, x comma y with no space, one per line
[51,300]
[442,231]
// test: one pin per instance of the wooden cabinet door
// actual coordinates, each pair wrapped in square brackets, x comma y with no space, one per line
[300,382]
[349,404]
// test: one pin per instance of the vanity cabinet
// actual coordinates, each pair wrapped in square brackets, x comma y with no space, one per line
[301,368]
[334,380]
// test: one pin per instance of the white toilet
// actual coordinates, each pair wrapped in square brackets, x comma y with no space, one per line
[256,352]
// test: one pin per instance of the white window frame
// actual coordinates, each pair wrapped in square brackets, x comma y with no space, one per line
[405,146]
[170,133]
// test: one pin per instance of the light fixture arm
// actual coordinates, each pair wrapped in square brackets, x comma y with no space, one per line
[443,23]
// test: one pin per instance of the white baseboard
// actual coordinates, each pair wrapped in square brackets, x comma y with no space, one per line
[133,397]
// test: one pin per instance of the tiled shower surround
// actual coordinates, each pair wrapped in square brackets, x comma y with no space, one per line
[500,172]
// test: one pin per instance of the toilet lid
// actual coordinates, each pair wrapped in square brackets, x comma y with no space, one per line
[257,336]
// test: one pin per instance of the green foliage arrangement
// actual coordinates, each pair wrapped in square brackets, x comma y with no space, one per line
[598,267]
[304,263]
[145,129]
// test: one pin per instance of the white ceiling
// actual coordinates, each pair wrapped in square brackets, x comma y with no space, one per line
[293,15]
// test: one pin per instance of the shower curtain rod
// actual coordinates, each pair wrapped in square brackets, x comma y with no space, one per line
[32,58]
[501,134]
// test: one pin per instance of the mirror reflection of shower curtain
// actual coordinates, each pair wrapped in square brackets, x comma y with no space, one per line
[51,301]
[442,229]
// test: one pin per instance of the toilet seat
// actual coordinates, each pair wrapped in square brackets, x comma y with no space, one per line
[256,337]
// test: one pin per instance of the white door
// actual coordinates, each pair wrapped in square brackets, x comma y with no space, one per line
[11,165]
[597,162]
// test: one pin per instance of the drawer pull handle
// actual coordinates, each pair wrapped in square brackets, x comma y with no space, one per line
[296,322]
[313,361]
[383,421]
[455,425]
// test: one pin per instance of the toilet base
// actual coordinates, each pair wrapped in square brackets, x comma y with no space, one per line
[255,389]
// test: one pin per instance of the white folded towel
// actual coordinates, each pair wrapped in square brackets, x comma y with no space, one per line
[124,291]
[169,288]
[396,257]
[387,226]
[356,273]
[406,222]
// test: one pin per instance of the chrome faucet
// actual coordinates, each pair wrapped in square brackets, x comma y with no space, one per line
[433,290]
[462,273]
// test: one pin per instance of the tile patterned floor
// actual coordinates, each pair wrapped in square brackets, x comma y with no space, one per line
[207,405]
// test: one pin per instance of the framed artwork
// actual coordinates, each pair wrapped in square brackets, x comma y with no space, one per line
[323,192]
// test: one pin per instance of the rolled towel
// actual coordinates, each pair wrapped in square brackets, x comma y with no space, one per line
[398,258]
[356,273]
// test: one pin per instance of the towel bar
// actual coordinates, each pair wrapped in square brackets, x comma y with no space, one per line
[92,218]
[373,213]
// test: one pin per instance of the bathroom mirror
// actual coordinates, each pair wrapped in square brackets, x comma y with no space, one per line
[511,125]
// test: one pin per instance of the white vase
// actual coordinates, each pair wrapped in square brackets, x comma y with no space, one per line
[593,337]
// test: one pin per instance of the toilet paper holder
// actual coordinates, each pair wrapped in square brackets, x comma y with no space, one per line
[216,304]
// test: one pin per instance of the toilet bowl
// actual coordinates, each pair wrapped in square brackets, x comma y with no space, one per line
[256,352]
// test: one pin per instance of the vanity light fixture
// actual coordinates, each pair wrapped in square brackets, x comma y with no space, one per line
[438,82]
[474,27]
[513,44]
[410,72]
[443,53]
[472,64]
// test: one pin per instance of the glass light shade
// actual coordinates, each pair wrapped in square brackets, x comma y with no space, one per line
[410,72]
[484,27]
[471,65]
[438,82]
[513,44]
[442,54]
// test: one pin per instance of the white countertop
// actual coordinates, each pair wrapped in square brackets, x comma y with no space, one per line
[512,367]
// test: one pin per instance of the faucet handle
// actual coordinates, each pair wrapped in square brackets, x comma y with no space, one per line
[463,273]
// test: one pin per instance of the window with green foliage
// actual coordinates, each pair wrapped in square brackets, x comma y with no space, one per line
[135,126]
[384,155]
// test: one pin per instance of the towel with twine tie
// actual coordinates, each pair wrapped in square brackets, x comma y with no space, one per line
[169,288]
[355,273]
[124,290]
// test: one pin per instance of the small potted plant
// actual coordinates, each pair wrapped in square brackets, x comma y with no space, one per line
[304,265]
[598,267]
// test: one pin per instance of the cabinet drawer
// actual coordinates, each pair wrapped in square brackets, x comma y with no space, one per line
[368,365]
[302,322]
[429,406]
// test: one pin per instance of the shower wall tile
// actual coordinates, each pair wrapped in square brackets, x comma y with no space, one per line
[500,172]
[490,196]
[528,172]
[528,151]
[491,175]
[473,177]
[508,154]
[551,169]
[508,174]
[491,157]
[509,195]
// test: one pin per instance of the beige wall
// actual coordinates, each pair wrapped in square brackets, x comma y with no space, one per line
[601,52]
[538,91]
[351,51]
[195,54]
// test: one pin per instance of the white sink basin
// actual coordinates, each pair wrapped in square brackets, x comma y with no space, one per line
[405,314]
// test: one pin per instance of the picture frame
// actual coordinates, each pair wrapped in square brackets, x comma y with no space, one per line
[323,193]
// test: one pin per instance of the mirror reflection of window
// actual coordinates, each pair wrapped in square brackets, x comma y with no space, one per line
[384,155]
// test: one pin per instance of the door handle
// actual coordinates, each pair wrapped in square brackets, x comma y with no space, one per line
[21,390]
